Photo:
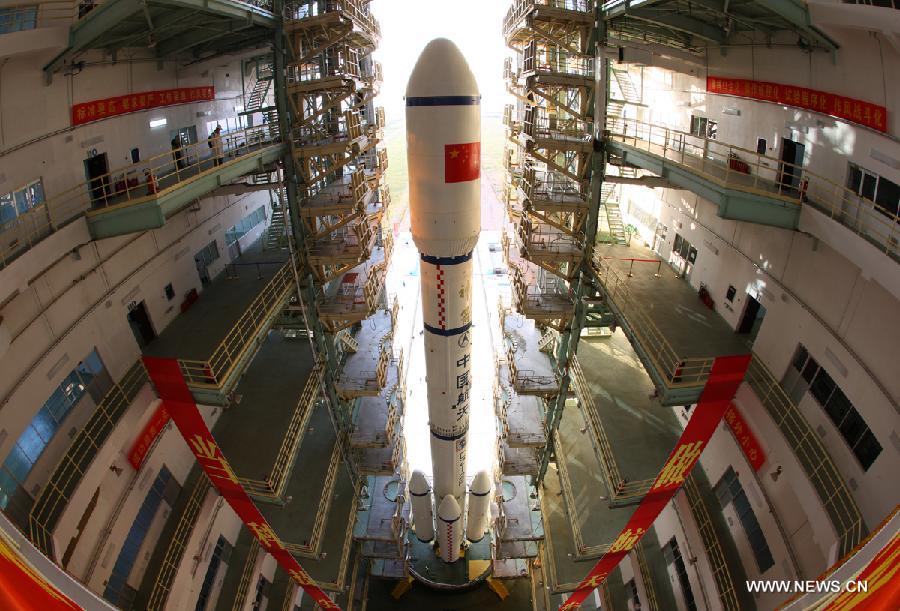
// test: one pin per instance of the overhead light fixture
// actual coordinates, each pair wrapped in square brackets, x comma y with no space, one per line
[154,123]
[731,111]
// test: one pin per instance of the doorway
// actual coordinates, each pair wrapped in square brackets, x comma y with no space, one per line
[202,270]
[96,171]
[789,172]
[139,321]
[751,321]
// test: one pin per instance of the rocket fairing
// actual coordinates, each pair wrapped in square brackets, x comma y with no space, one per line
[443,123]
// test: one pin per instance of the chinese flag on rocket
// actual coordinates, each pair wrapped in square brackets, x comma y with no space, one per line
[462,162]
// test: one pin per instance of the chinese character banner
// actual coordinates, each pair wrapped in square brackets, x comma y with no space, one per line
[856,111]
[23,587]
[179,402]
[750,445]
[136,102]
[724,379]
[149,433]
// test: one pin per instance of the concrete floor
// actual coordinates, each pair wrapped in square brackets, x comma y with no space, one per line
[640,430]
[196,333]
[268,392]
[692,329]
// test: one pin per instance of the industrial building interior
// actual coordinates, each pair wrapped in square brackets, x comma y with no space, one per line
[666,186]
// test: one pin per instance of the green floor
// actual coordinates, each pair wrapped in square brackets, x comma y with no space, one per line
[251,432]
[196,333]
[692,329]
[422,598]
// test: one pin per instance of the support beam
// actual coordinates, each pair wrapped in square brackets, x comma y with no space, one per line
[797,14]
[682,23]
[197,37]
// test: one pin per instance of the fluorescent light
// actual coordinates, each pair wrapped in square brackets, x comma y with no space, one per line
[731,111]
[157,122]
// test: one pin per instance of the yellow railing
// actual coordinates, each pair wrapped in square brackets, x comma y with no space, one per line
[520,8]
[842,510]
[619,487]
[357,10]
[679,372]
[175,551]
[310,549]
[55,495]
[213,372]
[274,484]
[745,170]
[721,573]
[584,550]
[129,185]
[240,596]
[675,370]
[646,577]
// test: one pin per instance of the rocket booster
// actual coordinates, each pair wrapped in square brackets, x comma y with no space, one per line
[443,134]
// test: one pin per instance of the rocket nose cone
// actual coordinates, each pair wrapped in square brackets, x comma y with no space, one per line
[481,485]
[448,510]
[418,485]
[441,70]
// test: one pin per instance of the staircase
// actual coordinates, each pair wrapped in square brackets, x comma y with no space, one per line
[610,202]
[629,92]
[547,341]
[350,343]
[276,234]
[260,88]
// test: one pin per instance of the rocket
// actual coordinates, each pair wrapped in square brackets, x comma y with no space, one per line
[443,135]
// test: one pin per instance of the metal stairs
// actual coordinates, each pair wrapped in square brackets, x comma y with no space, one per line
[350,343]
[260,88]
[629,92]
[610,201]
[276,234]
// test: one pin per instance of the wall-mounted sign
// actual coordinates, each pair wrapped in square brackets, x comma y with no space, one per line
[856,111]
[149,433]
[136,102]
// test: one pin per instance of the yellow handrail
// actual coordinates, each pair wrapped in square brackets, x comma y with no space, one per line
[274,484]
[246,575]
[130,185]
[174,552]
[71,468]
[213,372]
[763,175]
[721,573]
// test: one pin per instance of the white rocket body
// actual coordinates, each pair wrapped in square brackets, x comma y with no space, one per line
[443,123]
[449,529]
[423,512]
[479,507]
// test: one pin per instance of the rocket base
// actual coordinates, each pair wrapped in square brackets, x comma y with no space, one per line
[472,568]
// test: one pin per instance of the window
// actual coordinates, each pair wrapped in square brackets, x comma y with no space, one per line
[761,145]
[117,589]
[47,422]
[883,192]
[703,127]
[729,490]
[235,233]
[208,253]
[806,375]
[220,557]
[20,201]
[672,555]
[17,19]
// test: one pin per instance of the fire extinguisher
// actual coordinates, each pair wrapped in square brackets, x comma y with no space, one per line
[804,185]
[150,179]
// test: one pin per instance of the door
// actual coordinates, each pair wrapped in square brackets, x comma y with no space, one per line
[96,171]
[139,320]
[202,270]
[752,318]
[862,183]
[789,172]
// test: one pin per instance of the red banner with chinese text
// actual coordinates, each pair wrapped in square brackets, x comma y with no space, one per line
[149,433]
[177,399]
[136,102]
[724,379]
[745,437]
[853,110]
[22,587]
[882,582]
